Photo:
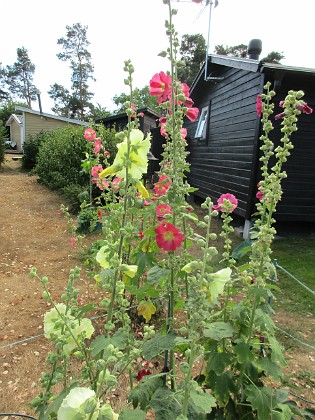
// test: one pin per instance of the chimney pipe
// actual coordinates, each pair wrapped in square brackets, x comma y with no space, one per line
[39,102]
[254,49]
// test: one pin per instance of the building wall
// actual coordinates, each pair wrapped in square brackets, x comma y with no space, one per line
[224,161]
[15,133]
[35,123]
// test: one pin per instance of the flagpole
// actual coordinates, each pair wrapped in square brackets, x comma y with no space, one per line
[208,40]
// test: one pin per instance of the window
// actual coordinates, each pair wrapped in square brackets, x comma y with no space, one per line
[202,124]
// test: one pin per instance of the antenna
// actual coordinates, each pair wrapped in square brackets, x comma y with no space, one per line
[208,40]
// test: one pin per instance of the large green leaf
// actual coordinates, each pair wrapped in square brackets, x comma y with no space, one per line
[204,402]
[165,404]
[157,344]
[222,385]
[243,352]
[285,413]
[141,395]
[276,355]
[242,249]
[219,330]
[267,365]
[218,362]
[147,290]
[143,260]
[101,342]
[129,414]
[262,400]
[156,274]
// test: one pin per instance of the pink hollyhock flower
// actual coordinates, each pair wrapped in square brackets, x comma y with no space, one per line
[102,184]
[97,146]
[185,88]
[141,114]
[115,183]
[160,86]
[197,1]
[259,106]
[304,108]
[192,113]
[168,237]
[73,240]
[162,210]
[89,134]
[279,116]
[183,132]
[162,186]
[59,211]
[95,171]
[106,153]
[229,197]
[162,130]
[133,108]
[260,193]
[142,373]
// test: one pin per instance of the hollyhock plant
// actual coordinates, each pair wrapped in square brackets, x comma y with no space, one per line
[138,159]
[260,193]
[160,86]
[89,134]
[162,210]
[192,114]
[168,236]
[163,185]
[142,373]
[258,105]
[233,203]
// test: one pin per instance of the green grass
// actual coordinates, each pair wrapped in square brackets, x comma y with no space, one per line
[297,256]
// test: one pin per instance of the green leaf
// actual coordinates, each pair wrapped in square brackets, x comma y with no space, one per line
[267,365]
[84,309]
[243,352]
[143,260]
[262,401]
[218,362]
[242,249]
[156,274]
[276,355]
[129,414]
[165,404]
[222,385]
[219,330]
[203,401]
[101,342]
[146,290]
[141,395]
[284,414]
[157,344]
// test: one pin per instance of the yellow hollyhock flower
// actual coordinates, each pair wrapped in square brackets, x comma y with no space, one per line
[102,257]
[142,190]
[138,159]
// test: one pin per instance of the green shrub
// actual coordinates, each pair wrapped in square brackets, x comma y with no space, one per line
[72,194]
[31,149]
[59,158]
[3,134]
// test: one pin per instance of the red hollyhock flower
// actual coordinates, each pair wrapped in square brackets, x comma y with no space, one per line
[162,210]
[230,197]
[260,193]
[162,186]
[142,373]
[99,213]
[305,108]
[140,234]
[160,86]
[89,134]
[259,106]
[168,237]
[192,113]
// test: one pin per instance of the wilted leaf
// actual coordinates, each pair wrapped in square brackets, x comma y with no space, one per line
[146,309]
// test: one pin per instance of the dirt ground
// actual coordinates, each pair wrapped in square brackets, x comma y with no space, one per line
[33,234]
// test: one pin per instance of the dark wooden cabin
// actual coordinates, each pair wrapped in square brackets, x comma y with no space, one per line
[224,141]
[149,120]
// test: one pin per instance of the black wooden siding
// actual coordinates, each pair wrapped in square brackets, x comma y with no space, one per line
[224,161]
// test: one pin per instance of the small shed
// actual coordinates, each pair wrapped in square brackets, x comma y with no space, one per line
[149,120]
[28,122]
[224,140]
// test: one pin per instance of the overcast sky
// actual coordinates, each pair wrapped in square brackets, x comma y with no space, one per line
[134,29]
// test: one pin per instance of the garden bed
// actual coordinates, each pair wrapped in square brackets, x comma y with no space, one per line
[33,234]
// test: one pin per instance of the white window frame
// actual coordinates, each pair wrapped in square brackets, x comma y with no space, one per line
[202,124]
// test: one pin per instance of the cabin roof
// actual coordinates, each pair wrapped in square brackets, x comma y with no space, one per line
[15,117]
[55,117]
[249,65]
[147,111]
